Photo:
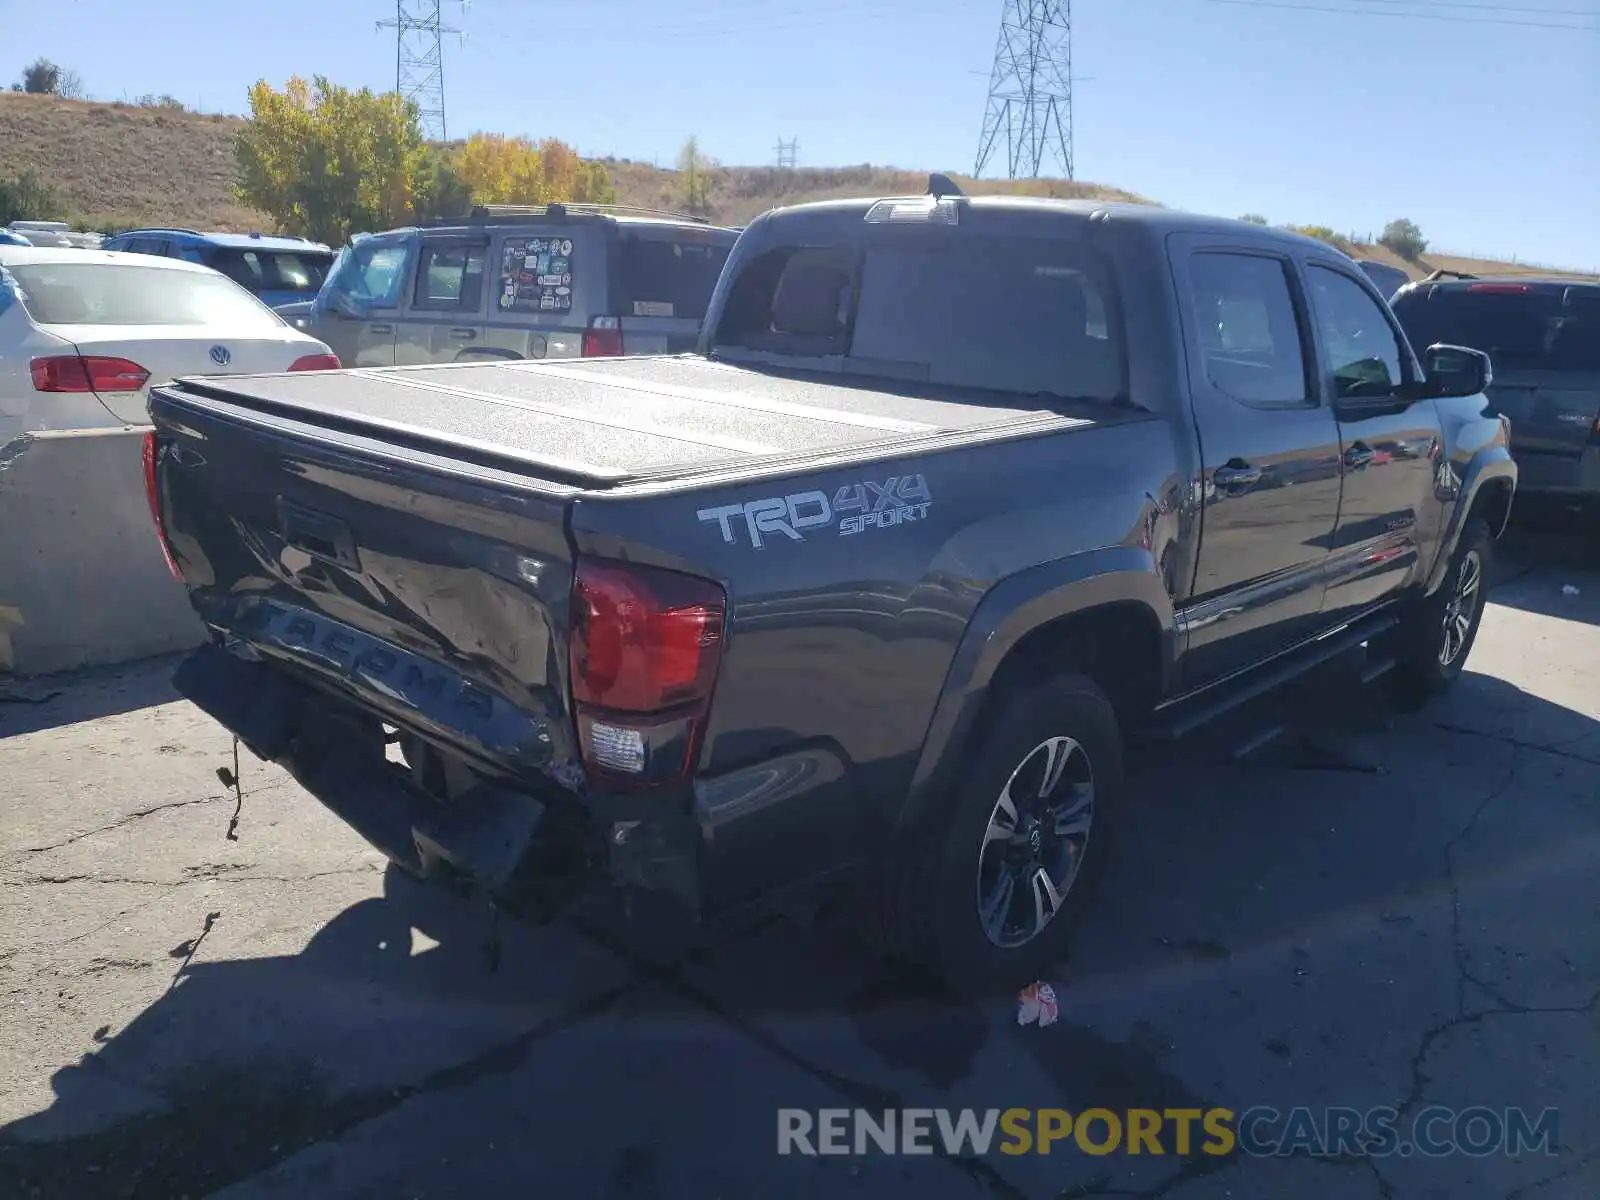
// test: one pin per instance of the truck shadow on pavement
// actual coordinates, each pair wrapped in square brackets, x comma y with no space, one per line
[1320,847]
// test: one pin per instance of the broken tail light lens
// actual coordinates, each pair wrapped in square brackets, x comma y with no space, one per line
[645,647]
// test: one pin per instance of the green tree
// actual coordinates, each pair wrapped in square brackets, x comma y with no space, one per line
[26,197]
[1253,219]
[327,162]
[694,177]
[1405,239]
[41,77]
[441,192]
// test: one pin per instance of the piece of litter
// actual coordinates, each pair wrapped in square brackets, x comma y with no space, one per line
[1036,1005]
[1568,589]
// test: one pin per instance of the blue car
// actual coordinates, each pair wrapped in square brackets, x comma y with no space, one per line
[278,270]
[7,238]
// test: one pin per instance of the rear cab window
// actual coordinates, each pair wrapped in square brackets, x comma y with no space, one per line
[1029,315]
[1518,325]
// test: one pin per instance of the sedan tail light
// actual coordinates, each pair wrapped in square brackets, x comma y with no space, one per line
[87,373]
[645,647]
[316,362]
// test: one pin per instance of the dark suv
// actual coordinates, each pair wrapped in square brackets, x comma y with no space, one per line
[1543,336]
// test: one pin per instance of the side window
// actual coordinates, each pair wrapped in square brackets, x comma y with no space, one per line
[1355,335]
[1249,335]
[191,254]
[371,275]
[450,277]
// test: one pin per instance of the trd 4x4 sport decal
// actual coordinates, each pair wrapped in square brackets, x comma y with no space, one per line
[854,508]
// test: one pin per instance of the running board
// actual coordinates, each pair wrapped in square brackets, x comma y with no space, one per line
[1186,714]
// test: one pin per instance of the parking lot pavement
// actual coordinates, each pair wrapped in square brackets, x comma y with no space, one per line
[1376,911]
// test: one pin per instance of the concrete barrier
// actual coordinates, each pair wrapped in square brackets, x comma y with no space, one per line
[82,579]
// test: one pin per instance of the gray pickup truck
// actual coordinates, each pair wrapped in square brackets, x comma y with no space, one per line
[957,494]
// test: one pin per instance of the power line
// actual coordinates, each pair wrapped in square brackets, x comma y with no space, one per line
[1414,16]
[1504,8]
[1030,90]
[419,59]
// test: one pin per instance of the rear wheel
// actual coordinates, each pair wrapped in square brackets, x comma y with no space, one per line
[989,897]
[1434,640]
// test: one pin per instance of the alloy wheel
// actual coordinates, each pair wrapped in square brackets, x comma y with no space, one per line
[1034,845]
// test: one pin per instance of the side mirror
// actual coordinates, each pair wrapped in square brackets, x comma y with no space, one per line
[341,304]
[1456,371]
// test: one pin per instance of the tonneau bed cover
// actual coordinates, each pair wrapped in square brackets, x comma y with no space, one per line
[600,423]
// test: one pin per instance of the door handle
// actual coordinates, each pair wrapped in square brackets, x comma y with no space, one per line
[381,328]
[463,333]
[1359,455]
[1236,476]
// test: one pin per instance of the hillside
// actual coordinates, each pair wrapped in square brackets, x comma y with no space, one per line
[119,165]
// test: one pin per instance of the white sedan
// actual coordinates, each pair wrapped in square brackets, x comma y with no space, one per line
[85,333]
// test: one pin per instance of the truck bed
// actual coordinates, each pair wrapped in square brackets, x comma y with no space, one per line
[602,423]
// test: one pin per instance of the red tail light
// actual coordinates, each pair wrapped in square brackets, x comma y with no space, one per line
[87,373]
[1506,289]
[645,646]
[316,362]
[603,338]
[152,493]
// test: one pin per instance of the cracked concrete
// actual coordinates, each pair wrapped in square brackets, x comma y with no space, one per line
[280,1016]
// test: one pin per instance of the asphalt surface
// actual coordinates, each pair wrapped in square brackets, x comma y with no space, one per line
[1378,910]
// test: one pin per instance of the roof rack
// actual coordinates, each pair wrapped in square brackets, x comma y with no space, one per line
[1441,273]
[160,229]
[560,209]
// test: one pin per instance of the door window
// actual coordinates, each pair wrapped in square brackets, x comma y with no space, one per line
[450,277]
[1357,340]
[1250,338]
[371,274]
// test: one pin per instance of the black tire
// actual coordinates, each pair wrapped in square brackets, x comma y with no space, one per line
[929,906]
[1425,665]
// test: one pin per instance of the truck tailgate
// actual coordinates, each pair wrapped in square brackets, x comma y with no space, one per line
[436,595]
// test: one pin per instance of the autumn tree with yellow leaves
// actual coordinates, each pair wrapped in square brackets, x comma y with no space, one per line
[326,162]
[512,170]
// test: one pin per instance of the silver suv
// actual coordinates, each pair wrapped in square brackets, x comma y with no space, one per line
[553,281]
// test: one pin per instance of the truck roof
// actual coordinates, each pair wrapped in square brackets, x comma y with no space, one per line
[1157,220]
[597,424]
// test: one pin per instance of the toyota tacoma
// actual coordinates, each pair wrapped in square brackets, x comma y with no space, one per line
[956,495]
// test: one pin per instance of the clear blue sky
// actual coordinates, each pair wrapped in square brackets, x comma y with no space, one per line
[1486,134]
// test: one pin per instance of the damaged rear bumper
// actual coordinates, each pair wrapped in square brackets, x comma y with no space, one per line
[535,850]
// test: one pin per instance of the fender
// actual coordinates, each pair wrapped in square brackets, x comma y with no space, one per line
[1487,465]
[1008,612]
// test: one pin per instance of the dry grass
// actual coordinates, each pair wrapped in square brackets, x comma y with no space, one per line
[120,165]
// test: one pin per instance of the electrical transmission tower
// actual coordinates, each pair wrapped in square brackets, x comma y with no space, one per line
[419,59]
[1030,90]
[787,153]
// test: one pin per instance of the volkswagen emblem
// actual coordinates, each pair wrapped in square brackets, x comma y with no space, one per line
[221,355]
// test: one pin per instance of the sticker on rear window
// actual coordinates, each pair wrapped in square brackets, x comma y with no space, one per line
[536,275]
[652,308]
